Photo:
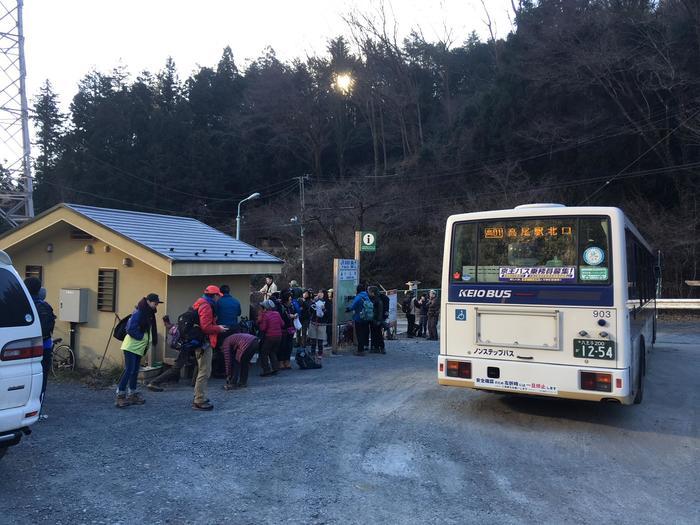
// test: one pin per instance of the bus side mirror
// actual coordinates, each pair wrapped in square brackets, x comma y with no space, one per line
[657,272]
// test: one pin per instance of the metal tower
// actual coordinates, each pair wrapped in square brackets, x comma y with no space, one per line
[16,205]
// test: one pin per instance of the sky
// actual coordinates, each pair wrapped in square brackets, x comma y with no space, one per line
[65,39]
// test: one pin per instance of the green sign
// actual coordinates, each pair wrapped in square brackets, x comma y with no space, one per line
[588,273]
[368,242]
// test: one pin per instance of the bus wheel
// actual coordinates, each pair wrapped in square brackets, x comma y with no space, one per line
[639,396]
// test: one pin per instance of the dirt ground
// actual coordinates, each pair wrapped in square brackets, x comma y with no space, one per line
[366,440]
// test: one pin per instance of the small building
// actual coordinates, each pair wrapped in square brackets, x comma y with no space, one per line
[116,257]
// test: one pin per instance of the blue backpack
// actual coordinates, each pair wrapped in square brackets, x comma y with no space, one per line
[367,311]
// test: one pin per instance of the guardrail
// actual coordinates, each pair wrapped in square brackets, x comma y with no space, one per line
[677,304]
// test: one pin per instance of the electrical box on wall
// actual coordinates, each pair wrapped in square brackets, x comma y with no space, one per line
[72,305]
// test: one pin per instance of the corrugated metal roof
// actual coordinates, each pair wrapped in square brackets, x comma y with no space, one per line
[176,238]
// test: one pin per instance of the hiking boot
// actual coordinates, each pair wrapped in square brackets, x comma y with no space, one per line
[135,399]
[267,373]
[206,406]
[242,385]
[154,388]
[122,401]
[359,354]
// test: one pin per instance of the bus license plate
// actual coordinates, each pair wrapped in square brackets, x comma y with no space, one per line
[594,349]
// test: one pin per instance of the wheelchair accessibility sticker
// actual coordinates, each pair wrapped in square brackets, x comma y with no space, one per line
[460,315]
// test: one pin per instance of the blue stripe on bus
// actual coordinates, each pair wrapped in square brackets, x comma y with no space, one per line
[567,295]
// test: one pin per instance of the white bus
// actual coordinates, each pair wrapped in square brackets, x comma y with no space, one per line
[547,300]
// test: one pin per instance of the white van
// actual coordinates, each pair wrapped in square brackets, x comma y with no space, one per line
[21,351]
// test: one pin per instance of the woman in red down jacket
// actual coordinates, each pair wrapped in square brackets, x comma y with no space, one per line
[271,329]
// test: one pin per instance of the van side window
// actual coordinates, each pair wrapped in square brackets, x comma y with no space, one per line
[15,309]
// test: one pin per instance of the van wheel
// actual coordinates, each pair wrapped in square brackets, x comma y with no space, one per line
[3,450]
[641,372]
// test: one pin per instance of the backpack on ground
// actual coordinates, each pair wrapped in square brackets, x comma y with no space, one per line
[306,359]
[189,332]
[367,312]
[120,330]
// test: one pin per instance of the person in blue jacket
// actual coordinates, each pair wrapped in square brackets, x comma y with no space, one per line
[361,318]
[228,308]
[141,333]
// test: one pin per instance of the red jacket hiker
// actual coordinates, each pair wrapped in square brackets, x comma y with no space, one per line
[270,323]
[207,319]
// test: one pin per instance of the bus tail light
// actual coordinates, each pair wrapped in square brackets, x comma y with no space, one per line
[442,367]
[22,349]
[596,381]
[461,369]
[618,383]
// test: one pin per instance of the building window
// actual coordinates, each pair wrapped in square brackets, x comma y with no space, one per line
[34,271]
[106,290]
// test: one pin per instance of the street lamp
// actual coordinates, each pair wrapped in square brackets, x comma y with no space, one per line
[255,195]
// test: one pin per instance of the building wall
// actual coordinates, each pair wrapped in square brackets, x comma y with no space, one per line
[184,291]
[68,266]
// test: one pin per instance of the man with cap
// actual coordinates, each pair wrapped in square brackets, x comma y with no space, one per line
[205,307]
[141,332]
[294,289]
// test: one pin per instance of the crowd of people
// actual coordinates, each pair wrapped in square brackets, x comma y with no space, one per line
[282,319]
[426,309]
[279,321]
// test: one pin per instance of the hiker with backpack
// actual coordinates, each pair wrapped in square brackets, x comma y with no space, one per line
[271,327]
[376,325]
[185,352]
[47,319]
[362,314]
[141,332]
[205,308]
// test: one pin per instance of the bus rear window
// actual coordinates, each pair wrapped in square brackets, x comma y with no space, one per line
[15,309]
[560,250]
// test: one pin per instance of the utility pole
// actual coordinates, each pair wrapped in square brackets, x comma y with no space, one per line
[302,218]
[16,184]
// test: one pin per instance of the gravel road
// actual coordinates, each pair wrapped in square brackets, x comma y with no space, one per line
[365,440]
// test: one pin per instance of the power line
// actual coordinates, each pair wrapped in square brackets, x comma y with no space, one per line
[649,149]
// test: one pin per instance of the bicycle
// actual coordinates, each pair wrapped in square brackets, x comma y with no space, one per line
[63,358]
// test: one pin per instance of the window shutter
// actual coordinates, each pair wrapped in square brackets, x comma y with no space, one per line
[106,290]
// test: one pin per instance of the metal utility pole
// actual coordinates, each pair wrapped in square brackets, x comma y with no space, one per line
[16,184]
[302,218]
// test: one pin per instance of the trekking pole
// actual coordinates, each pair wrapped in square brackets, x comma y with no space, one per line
[99,368]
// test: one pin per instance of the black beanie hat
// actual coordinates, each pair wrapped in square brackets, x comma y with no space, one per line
[33,285]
